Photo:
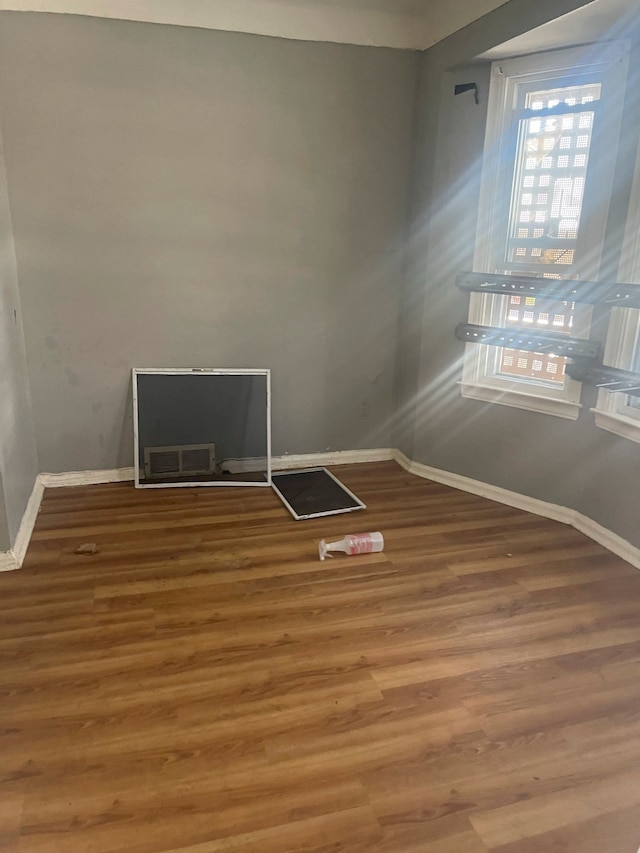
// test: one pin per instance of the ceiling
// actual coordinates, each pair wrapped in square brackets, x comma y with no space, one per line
[391,23]
[416,24]
[601,19]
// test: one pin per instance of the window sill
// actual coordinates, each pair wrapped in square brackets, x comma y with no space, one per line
[520,400]
[618,423]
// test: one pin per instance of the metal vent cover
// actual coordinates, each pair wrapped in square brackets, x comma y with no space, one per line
[181,460]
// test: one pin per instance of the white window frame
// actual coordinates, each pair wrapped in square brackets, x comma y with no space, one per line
[480,380]
[612,410]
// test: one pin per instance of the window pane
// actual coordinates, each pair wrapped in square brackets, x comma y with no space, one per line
[550,169]
[541,367]
[551,163]
[545,314]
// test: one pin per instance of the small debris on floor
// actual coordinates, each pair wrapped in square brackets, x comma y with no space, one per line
[88,548]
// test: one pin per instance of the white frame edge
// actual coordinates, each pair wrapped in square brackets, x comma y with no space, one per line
[288,473]
[519,399]
[199,371]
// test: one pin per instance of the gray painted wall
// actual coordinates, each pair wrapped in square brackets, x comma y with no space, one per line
[18,463]
[569,463]
[185,198]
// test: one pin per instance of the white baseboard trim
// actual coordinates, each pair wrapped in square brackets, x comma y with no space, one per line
[86,478]
[305,460]
[609,540]
[335,457]
[8,561]
[13,559]
[278,463]
[486,490]
[28,521]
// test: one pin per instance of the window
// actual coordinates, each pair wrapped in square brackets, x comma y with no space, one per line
[619,412]
[552,130]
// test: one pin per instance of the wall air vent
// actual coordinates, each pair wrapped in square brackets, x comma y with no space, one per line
[183,460]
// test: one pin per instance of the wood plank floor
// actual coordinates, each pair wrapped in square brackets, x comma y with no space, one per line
[203,684]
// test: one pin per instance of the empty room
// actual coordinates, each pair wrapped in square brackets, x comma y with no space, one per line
[320,426]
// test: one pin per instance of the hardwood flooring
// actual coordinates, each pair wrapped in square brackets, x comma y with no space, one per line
[203,684]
